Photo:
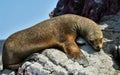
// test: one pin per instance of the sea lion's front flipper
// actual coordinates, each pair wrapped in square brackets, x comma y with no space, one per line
[72,49]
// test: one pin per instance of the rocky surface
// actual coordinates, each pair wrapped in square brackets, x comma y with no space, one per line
[1,48]
[93,9]
[56,62]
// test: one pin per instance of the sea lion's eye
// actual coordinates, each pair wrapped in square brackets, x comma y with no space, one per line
[91,41]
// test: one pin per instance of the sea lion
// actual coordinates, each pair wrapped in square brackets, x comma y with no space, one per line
[60,31]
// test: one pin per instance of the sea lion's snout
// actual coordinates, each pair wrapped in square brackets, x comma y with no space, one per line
[96,45]
[98,48]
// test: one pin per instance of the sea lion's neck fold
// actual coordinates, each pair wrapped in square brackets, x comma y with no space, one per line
[80,30]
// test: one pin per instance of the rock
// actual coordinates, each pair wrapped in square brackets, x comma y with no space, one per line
[93,9]
[56,62]
[67,6]
[7,72]
[112,36]
[1,48]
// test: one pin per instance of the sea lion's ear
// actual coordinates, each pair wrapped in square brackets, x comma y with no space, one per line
[102,40]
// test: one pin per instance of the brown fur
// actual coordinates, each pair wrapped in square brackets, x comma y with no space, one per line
[56,32]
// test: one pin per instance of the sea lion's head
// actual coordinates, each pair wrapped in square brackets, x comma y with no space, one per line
[95,39]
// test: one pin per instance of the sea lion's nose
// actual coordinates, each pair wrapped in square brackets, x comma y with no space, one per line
[99,48]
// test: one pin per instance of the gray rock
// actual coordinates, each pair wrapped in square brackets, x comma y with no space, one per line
[7,72]
[56,62]
[112,34]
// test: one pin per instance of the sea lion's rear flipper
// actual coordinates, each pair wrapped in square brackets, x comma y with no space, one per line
[13,66]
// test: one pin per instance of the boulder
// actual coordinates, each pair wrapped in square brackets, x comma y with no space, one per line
[93,9]
[56,62]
